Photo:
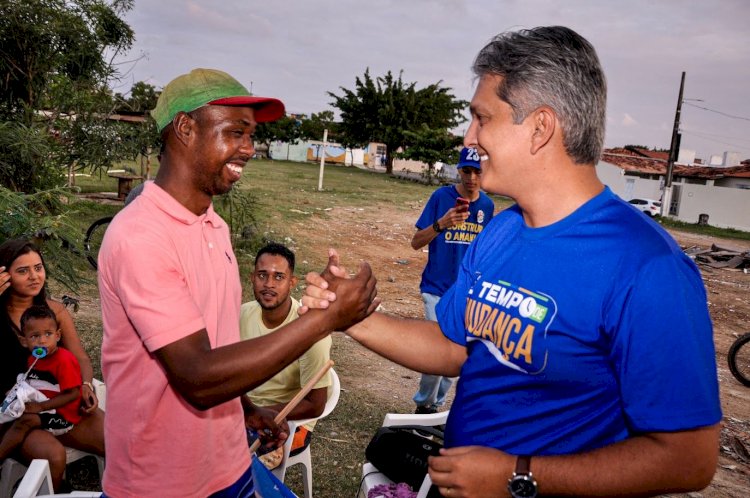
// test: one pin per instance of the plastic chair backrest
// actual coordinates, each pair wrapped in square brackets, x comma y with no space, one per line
[304,458]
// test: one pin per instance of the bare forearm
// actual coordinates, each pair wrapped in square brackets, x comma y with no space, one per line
[423,237]
[646,465]
[207,377]
[61,399]
[641,466]
[416,344]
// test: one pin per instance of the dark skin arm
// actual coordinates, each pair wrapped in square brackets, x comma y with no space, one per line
[207,377]
[62,399]
[260,418]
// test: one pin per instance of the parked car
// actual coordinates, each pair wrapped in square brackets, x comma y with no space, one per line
[649,206]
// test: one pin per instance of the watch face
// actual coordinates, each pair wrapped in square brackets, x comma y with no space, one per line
[522,487]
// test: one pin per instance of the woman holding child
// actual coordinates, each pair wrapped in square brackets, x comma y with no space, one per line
[22,285]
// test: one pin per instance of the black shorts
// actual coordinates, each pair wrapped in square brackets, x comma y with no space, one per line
[55,423]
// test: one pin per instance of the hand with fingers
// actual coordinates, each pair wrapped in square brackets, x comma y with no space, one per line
[349,299]
[455,216]
[4,279]
[471,472]
[261,420]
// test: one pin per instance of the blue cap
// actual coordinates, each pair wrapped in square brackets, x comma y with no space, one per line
[469,157]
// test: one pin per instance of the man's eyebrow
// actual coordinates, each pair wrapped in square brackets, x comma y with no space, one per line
[246,122]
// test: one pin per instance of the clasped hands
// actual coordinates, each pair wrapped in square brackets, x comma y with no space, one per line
[347,300]
[469,471]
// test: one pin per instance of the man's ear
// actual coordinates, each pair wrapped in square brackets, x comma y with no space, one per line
[294,281]
[183,126]
[544,121]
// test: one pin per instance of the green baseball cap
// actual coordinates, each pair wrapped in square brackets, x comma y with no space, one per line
[202,87]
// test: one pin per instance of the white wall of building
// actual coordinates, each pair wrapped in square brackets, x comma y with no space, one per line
[282,151]
[726,207]
[731,158]
[686,156]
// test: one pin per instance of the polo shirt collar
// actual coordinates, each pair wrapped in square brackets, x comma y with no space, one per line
[174,209]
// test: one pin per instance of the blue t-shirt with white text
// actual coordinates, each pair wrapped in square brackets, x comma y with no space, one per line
[579,334]
[447,249]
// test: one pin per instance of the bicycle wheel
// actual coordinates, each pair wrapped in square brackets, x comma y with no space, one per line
[739,359]
[93,241]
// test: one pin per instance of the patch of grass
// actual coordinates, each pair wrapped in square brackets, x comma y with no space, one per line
[727,233]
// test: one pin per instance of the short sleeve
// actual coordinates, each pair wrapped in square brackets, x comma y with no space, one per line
[662,348]
[429,213]
[69,373]
[451,308]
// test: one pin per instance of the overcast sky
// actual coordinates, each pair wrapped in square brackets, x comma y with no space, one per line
[298,50]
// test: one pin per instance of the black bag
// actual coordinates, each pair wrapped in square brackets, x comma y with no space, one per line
[400,452]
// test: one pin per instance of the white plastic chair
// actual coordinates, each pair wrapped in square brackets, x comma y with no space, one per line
[303,458]
[372,477]
[38,480]
[13,471]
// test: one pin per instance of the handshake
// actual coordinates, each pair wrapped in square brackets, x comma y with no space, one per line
[344,300]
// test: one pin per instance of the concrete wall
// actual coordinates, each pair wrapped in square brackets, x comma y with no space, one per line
[282,151]
[726,207]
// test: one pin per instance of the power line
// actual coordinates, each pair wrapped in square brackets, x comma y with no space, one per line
[706,137]
[718,112]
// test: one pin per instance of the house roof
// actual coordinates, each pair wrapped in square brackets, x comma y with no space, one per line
[632,161]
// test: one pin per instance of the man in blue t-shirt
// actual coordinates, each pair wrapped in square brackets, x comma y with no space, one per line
[452,218]
[579,328]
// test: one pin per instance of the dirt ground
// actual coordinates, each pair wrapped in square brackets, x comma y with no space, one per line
[382,238]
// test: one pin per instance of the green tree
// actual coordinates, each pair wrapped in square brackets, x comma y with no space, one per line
[431,146]
[384,108]
[55,58]
[287,129]
[143,97]
[55,62]
[312,128]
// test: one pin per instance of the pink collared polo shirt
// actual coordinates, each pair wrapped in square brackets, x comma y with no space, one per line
[164,274]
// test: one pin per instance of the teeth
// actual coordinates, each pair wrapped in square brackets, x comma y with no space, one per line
[234,169]
[484,157]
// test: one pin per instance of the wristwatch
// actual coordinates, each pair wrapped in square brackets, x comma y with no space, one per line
[523,484]
[436,227]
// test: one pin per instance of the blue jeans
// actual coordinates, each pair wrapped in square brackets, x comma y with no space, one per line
[432,388]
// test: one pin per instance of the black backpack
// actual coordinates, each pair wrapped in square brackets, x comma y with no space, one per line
[401,452]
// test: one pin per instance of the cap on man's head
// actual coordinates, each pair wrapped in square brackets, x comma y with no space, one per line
[202,87]
[469,158]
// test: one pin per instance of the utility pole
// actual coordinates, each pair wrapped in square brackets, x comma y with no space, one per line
[322,159]
[673,151]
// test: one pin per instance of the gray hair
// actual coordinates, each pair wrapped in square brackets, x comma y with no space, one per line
[557,67]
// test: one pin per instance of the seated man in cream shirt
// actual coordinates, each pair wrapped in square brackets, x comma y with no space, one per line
[273,280]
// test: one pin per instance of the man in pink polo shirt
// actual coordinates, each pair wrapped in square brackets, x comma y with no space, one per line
[170,295]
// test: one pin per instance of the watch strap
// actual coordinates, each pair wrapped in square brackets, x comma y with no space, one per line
[523,465]
[436,227]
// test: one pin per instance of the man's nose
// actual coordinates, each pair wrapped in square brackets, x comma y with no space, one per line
[248,147]
[470,139]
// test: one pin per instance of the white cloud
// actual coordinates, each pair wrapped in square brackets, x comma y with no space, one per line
[628,120]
